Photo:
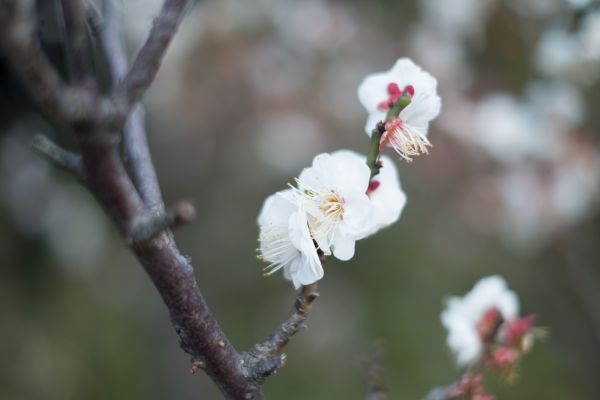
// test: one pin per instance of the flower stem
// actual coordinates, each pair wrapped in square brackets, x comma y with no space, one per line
[375,146]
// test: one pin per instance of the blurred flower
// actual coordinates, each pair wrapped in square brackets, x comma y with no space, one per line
[590,36]
[502,127]
[504,360]
[557,109]
[557,51]
[514,331]
[572,55]
[469,387]
[458,19]
[579,4]
[378,93]
[537,8]
[512,130]
[463,316]
[333,193]
[285,241]
[331,25]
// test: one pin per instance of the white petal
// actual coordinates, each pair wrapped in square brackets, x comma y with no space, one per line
[275,209]
[388,199]
[423,108]
[352,172]
[343,246]
[373,90]
[372,121]
[358,212]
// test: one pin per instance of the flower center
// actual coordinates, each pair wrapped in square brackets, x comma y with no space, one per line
[394,94]
[405,139]
[333,206]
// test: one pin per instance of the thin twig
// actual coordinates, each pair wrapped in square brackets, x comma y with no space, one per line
[263,359]
[135,142]
[63,158]
[374,373]
[146,64]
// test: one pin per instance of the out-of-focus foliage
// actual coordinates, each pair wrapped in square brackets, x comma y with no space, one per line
[249,93]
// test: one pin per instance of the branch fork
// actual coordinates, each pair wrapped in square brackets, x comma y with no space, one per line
[126,184]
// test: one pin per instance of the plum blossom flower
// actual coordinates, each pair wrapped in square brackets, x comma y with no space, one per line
[465,318]
[384,190]
[333,193]
[386,195]
[406,132]
[285,241]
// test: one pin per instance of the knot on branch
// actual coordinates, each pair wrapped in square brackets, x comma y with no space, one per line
[259,365]
[150,226]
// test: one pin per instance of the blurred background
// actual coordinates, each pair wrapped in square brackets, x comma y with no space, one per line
[249,93]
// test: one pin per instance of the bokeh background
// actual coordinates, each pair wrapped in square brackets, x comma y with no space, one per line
[249,93]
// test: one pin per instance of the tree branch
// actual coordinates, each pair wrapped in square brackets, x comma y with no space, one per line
[374,373]
[63,158]
[132,207]
[148,60]
[182,213]
[135,143]
[263,359]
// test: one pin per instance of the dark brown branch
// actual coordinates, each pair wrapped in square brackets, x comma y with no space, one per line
[135,143]
[183,212]
[263,359]
[148,60]
[63,158]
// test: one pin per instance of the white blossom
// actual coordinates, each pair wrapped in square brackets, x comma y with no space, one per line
[406,133]
[457,19]
[386,195]
[557,51]
[462,316]
[285,241]
[332,192]
[384,190]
